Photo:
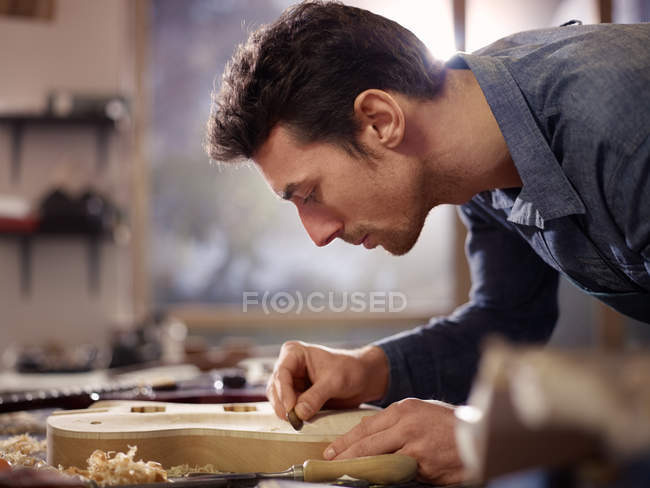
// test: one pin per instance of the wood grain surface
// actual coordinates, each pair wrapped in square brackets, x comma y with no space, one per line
[236,438]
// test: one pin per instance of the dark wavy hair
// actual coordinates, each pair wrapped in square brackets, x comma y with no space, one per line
[305,71]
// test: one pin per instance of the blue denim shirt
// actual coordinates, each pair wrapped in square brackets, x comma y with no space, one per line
[573,104]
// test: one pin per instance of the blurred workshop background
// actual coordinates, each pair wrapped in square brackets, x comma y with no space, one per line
[117,232]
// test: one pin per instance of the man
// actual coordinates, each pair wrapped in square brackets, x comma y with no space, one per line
[541,138]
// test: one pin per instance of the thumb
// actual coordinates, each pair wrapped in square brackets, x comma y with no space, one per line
[312,399]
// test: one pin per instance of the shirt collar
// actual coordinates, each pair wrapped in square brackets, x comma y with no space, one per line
[546,193]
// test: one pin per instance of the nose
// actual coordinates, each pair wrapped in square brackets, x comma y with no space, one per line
[322,226]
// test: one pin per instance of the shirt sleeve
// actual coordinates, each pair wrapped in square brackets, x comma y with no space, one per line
[629,200]
[513,294]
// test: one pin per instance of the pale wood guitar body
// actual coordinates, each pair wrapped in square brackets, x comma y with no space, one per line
[237,438]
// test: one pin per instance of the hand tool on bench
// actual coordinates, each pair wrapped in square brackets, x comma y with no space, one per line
[382,469]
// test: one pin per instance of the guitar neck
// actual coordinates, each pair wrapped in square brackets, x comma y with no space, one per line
[76,398]
[68,397]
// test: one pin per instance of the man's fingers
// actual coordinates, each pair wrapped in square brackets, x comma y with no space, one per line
[314,397]
[421,430]
[280,390]
[335,375]
[383,442]
[368,427]
[284,389]
[272,395]
[310,402]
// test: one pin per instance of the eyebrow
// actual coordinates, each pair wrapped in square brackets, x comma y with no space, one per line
[288,192]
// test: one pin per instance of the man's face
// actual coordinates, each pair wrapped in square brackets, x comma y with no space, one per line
[376,202]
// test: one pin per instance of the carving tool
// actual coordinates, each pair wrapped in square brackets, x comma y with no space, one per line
[383,469]
[294,420]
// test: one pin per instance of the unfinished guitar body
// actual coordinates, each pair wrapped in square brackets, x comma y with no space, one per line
[237,437]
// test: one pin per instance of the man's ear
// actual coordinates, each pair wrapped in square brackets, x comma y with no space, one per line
[380,117]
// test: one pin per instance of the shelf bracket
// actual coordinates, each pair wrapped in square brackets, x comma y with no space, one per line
[94,264]
[16,150]
[25,244]
[102,147]
[94,254]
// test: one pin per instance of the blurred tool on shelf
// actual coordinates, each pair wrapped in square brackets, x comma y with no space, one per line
[153,360]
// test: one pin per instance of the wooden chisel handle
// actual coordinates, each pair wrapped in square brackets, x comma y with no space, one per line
[384,469]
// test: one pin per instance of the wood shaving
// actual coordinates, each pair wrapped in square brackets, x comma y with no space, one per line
[118,468]
[24,450]
[105,468]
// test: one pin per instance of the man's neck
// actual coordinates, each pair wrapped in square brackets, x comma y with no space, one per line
[462,141]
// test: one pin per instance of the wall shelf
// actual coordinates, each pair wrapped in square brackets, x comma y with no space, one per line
[25,241]
[102,124]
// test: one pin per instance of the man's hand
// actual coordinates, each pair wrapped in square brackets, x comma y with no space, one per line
[306,376]
[422,430]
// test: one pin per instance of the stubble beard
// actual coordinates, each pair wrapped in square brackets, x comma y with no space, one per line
[403,236]
[396,241]
[437,187]
[401,240]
